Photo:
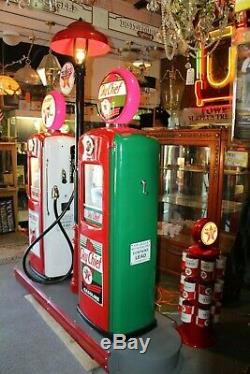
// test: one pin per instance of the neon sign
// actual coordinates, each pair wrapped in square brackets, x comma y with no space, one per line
[208,88]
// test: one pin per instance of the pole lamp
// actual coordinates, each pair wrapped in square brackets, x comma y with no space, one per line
[79,40]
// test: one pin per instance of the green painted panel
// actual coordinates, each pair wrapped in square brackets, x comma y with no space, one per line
[133,231]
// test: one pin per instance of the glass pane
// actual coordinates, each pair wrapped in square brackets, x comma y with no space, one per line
[235,188]
[93,193]
[184,187]
[35,177]
[6,169]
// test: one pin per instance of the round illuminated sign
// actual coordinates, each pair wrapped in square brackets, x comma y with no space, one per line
[67,78]
[209,233]
[53,110]
[119,96]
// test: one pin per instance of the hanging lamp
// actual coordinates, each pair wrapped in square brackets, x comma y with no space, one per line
[8,86]
[49,69]
[79,40]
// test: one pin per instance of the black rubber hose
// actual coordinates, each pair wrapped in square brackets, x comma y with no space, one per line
[26,265]
[63,230]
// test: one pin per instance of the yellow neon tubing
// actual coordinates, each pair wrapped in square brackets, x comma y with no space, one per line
[230,73]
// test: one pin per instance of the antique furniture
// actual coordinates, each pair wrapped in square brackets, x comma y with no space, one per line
[202,174]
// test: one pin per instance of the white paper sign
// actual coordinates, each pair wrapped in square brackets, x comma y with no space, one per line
[190,77]
[140,252]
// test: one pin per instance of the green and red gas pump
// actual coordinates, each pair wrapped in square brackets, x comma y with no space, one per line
[118,193]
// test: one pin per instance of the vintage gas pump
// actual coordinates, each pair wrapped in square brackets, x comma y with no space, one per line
[118,192]
[50,186]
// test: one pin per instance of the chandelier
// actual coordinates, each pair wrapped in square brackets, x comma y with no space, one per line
[50,5]
[186,24]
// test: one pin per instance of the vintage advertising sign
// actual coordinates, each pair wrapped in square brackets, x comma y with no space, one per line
[129,26]
[67,78]
[53,110]
[65,8]
[210,114]
[209,233]
[236,159]
[92,269]
[242,5]
[119,96]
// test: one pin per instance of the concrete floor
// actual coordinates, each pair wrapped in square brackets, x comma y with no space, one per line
[12,247]
[29,346]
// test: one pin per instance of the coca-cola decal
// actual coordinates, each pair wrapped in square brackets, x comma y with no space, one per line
[92,269]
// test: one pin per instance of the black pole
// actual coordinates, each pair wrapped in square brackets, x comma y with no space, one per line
[79,127]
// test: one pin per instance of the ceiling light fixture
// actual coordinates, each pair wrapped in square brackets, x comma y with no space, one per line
[186,24]
[49,67]
[8,86]
[11,37]
[27,74]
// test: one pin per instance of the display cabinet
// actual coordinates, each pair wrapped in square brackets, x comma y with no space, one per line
[201,175]
[8,187]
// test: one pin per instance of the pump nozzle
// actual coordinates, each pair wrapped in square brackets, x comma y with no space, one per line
[55,193]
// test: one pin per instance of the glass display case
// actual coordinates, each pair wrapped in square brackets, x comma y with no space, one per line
[184,189]
[201,175]
[236,188]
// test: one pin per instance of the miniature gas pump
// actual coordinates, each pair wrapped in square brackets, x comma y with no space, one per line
[50,176]
[118,190]
[201,286]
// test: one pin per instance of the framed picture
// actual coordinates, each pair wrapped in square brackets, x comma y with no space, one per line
[241,95]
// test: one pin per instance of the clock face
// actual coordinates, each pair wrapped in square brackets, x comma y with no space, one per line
[209,233]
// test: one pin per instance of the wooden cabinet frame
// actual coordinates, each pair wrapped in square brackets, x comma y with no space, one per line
[216,139]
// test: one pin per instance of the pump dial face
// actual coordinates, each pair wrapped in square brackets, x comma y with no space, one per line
[209,233]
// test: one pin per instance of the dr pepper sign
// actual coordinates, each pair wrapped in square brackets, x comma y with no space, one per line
[119,96]
[53,110]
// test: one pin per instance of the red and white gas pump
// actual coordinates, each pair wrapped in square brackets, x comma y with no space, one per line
[50,186]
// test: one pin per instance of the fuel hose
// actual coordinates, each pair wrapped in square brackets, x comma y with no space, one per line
[33,275]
